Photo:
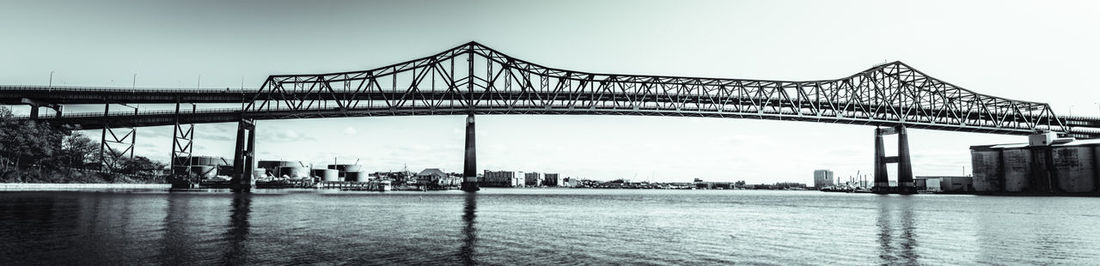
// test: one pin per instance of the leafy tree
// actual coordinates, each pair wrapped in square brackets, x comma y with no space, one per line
[141,165]
[31,151]
[80,151]
[27,142]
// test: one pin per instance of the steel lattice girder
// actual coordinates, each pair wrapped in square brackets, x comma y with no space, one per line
[888,94]
[474,78]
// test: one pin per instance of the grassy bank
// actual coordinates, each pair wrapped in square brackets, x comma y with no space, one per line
[77,187]
[55,175]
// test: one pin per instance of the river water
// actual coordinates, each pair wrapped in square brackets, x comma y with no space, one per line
[544,226]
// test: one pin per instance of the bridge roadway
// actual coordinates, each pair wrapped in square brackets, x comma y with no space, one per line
[14,95]
[442,103]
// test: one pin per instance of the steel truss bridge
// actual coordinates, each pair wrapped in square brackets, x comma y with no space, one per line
[473,79]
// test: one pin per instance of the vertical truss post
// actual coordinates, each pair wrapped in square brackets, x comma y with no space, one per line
[182,145]
[244,156]
[113,149]
[103,138]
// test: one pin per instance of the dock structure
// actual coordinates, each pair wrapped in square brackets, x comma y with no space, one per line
[344,185]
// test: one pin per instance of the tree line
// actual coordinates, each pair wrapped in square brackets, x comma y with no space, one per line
[37,152]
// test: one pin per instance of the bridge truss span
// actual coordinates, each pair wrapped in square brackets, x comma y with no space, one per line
[475,79]
[472,79]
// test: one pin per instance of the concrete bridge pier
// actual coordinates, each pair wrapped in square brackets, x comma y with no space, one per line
[244,156]
[35,105]
[905,165]
[469,169]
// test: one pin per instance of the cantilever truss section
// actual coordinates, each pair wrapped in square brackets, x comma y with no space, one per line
[474,78]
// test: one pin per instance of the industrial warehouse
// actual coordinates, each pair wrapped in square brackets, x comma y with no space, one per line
[1046,165]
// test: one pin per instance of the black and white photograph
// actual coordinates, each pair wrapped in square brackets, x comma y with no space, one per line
[552,132]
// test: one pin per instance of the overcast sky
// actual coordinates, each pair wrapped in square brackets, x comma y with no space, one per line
[1036,50]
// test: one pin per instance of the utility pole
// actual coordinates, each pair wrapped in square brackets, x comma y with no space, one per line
[51,80]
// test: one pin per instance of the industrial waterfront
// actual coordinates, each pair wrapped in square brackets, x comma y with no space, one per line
[562,132]
[543,226]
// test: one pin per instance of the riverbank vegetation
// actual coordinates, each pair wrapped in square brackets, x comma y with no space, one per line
[37,152]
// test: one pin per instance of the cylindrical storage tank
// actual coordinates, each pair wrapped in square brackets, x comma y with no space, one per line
[1096,164]
[344,168]
[1074,169]
[339,169]
[259,173]
[225,170]
[357,176]
[1017,169]
[204,171]
[330,175]
[207,160]
[353,168]
[181,169]
[293,171]
[988,173]
[275,167]
[269,164]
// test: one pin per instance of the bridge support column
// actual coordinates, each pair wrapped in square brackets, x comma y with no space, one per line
[113,150]
[182,146]
[469,169]
[35,104]
[882,178]
[244,156]
[905,165]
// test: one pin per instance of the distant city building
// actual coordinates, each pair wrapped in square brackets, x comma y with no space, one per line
[498,179]
[532,179]
[823,178]
[550,179]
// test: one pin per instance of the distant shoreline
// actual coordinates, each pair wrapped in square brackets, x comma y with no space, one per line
[7,187]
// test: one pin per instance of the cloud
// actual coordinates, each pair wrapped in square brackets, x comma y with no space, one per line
[286,135]
[350,131]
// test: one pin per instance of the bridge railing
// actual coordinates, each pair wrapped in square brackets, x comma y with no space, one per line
[803,113]
[105,89]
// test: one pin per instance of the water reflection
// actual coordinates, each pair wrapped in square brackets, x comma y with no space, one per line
[896,237]
[238,229]
[177,246]
[470,232]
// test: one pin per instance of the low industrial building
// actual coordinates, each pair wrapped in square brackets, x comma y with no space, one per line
[1045,165]
[435,178]
[950,184]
